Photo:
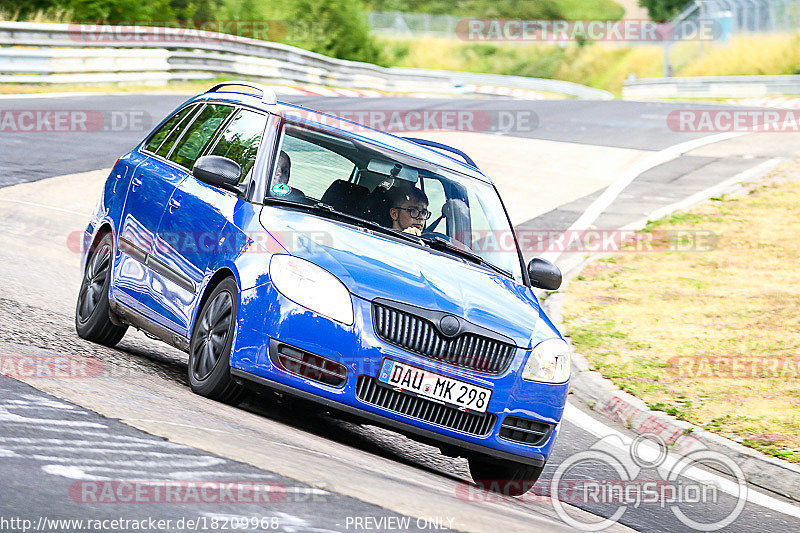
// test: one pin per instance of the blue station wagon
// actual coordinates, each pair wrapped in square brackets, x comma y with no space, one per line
[376,275]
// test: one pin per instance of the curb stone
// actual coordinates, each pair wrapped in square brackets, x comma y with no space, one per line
[605,398]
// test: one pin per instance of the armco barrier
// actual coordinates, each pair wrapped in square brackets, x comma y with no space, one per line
[711,87]
[59,53]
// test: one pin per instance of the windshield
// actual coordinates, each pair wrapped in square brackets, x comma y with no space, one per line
[398,192]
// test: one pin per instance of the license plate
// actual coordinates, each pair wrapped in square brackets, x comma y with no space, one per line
[436,386]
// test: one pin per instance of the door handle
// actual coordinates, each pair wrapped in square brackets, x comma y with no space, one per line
[135,182]
[174,203]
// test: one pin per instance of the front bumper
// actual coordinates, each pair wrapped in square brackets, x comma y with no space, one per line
[265,314]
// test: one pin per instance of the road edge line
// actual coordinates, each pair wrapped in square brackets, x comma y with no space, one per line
[609,401]
[607,197]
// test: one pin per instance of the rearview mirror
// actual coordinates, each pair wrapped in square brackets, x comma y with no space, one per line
[544,274]
[218,171]
[393,169]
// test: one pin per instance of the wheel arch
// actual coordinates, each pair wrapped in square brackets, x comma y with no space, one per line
[221,274]
[91,241]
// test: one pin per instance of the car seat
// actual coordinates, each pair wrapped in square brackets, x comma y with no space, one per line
[347,197]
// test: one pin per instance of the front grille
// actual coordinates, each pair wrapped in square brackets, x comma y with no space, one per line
[418,335]
[524,430]
[370,391]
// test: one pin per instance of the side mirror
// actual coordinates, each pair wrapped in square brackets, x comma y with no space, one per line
[218,171]
[544,274]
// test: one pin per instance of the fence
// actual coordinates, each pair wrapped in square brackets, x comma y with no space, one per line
[63,53]
[400,24]
[739,16]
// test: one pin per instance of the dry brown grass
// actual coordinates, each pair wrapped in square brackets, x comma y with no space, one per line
[731,316]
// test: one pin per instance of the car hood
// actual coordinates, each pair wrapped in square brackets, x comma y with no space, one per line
[372,265]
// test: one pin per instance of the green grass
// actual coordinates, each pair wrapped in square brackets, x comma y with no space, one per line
[519,9]
[601,65]
[691,334]
[590,9]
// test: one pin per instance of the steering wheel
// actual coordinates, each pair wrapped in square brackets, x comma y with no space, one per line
[450,240]
[434,234]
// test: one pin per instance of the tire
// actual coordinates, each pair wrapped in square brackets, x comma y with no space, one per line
[210,346]
[92,311]
[505,477]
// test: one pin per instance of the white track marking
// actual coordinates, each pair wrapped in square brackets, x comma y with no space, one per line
[600,430]
[39,407]
[72,472]
[174,424]
[6,416]
[42,404]
[203,460]
[80,449]
[615,189]
[43,206]
[747,175]
[91,473]
[26,443]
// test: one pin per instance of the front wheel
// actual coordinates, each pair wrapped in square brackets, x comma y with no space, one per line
[210,346]
[92,312]
[505,477]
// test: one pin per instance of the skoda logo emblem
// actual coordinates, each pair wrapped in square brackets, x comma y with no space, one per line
[449,325]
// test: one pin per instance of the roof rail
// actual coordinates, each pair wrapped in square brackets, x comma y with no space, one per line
[434,144]
[268,95]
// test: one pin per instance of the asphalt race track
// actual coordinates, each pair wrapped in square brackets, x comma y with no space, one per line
[137,419]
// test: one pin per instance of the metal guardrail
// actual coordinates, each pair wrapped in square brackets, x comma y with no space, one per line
[711,87]
[62,53]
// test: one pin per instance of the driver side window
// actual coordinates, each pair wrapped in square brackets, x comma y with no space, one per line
[308,167]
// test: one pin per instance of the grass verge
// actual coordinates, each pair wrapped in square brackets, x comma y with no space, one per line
[601,65]
[711,337]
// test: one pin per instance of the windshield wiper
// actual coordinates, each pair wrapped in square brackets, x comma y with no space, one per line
[321,207]
[439,243]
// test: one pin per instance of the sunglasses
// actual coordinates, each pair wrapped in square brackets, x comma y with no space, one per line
[413,212]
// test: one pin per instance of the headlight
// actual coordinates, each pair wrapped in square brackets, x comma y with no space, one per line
[549,362]
[312,287]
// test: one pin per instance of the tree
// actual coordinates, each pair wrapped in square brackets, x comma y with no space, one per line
[663,9]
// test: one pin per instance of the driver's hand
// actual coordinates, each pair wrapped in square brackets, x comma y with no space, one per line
[413,230]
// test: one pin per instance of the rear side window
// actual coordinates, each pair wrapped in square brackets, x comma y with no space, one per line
[176,132]
[199,134]
[158,137]
[241,139]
